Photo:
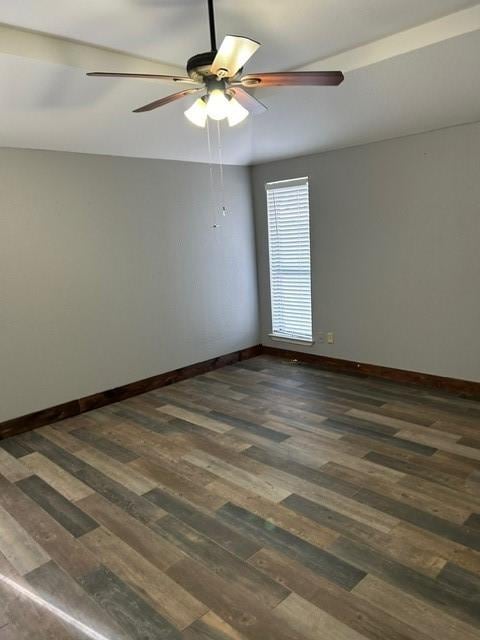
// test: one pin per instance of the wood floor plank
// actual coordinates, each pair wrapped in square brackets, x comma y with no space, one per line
[142,539]
[219,445]
[473,521]
[414,583]
[141,440]
[165,477]
[103,445]
[224,563]
[156,463]
[206,524]
[407,534]
[35,442]
[413,493]
[164,595]
[63,482]
[472,483]
[218,388]
[416,469]
[26,618]
[133,614]
[241,610]
[340,425]
[14,447]
[427,411]
[150,421]
[250,427]
[346,506]
[465,430]
[211,627]
[328,445]
[463,582]
[401,550]
[276,514]
[462,534]
[312,622]
[440,443]
[12,468]
[59,590]
[433,621]
[326,564]
[174,395]
[56,541]
[62,510]
[448,495]
[389,421]
[321,458]
[449,436]
[363,617]
[238,476]
[463,466]
[115,492]
[287,571]
[126,476]
[292,427]
[18,547]
[196,418]
[61,438]
[284,462]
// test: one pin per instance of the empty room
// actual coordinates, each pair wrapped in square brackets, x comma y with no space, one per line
[240,320]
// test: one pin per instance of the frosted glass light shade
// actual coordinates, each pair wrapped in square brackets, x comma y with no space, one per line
[197,114]
[217,105]
[236,112]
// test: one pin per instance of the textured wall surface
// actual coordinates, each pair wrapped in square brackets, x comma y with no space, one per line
[110,272]
[395,235]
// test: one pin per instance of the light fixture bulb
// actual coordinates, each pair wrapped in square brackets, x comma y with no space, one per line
[197,114]
[236,112]
[217,105]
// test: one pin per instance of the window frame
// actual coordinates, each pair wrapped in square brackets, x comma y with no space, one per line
[278,336]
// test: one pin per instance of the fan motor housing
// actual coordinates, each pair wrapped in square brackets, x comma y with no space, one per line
[198,66]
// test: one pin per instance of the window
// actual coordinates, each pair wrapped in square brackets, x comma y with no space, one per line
[289,248]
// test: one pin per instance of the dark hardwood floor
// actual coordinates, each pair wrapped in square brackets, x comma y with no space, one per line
[262,501]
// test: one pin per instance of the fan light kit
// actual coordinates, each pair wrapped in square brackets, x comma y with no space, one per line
[218,73]
[218,105]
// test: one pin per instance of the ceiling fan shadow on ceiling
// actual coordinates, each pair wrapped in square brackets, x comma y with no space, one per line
[218,73]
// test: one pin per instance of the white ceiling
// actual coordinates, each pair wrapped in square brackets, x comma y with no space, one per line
[425,78]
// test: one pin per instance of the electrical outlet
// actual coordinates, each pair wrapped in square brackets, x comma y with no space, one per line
[330,337]
[320,337]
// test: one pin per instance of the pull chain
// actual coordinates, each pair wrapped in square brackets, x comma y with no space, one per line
[212,180]
[220,160]
[217,196]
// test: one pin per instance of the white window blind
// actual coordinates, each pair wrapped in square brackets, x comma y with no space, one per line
[289,249]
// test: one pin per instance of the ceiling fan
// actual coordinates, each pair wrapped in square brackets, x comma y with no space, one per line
[218,73]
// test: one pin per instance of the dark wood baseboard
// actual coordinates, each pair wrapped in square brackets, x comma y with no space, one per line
[103,398]
[463,388]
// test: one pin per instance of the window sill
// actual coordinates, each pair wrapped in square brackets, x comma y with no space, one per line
[305,343]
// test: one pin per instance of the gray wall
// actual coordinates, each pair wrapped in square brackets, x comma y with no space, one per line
[395,250]
[110,272]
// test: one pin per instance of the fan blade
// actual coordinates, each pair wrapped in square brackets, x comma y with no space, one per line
[292,79]
[148,76]
[247,101]
[234,52]
[166,100]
